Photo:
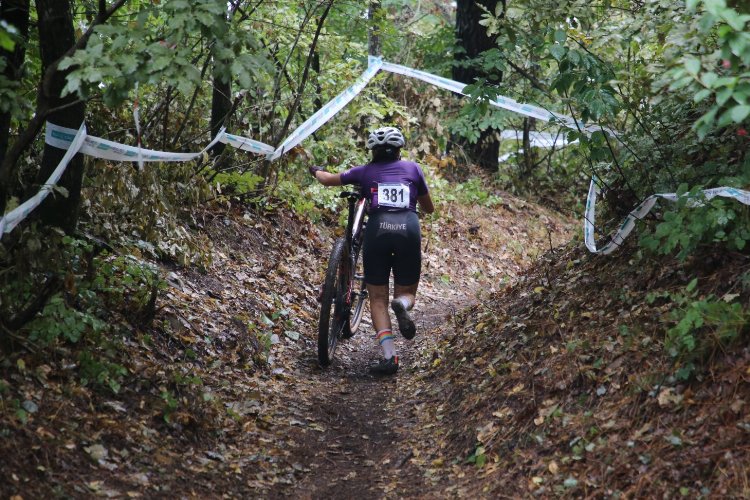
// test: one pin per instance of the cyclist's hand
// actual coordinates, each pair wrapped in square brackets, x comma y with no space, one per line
[313,169]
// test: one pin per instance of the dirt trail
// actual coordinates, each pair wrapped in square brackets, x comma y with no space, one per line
[356,440]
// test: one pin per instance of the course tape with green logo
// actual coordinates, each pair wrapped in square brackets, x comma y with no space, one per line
[12,218]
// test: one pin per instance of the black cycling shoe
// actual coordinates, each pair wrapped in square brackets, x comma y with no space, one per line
[405,323]
[385,367]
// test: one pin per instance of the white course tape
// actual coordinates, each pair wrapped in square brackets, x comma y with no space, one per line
[246,144]
[61,137]
[327,112]
[505,157]
[544,140]
[500,102]
[640,212]
[12,218]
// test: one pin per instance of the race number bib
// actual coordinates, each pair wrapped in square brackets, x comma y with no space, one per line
[393,195]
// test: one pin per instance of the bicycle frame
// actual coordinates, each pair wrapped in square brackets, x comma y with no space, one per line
[354,229]
[355,222]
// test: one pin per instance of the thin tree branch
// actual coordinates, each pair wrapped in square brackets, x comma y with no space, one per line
[306,71]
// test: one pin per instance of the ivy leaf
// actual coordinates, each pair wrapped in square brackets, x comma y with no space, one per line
[735,21]
[693,65]
[574,56]
[701,95]
[737,45]
[557,51]
[709,79]
[739,113]
[723,95]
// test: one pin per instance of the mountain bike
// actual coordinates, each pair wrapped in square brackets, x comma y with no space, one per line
[344,294]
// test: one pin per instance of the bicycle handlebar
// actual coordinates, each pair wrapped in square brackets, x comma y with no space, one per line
[350,194]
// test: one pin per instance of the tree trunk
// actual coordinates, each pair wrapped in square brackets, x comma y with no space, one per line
[15,13]
[472,37]
[56,36]
[373,35]
[221,99]
[529,158]
[317,101]
[221,105]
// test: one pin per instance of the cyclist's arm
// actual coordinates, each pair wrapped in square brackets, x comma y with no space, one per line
[328,179]
[425,203]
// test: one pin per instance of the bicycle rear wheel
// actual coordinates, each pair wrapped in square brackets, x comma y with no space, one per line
[358,298]
[333,310]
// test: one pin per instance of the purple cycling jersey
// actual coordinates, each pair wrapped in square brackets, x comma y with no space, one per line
[390,186]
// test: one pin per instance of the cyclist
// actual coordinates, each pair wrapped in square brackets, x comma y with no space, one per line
[392,239]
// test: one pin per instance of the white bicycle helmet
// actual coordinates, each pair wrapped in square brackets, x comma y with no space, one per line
[386,136]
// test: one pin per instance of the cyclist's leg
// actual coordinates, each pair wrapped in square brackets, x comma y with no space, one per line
[407,268]
[381,319]
[377,260]
[406,293]
[401,304]
[407,263]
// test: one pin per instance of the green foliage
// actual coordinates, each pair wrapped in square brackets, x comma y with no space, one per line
[653,73]
[57,320]
[478,457]
[313,200]
[718,70]
[473,192]
[99,371]
[170,404]
[701,324]
[237,182]
[477,116]
[696,222]
[154,44]
[98,297]
[7,39]
[153,210]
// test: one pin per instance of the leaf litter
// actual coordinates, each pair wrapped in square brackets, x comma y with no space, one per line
[223,394]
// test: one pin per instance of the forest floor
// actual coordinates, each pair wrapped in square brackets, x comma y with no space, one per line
[537,370]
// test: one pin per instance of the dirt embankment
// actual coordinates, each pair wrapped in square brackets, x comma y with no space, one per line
[222,394]
[562,386]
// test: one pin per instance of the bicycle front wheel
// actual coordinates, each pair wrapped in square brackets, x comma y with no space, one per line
[333,310]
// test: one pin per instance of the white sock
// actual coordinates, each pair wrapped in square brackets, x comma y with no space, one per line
[385,338]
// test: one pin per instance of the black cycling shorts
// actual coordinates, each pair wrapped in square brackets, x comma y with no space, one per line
[392,241]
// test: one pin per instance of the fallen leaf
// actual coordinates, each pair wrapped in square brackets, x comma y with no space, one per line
[97,452]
